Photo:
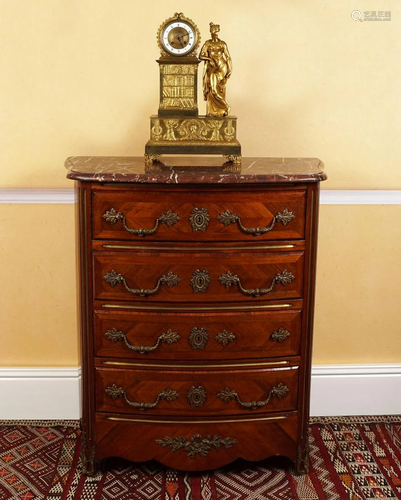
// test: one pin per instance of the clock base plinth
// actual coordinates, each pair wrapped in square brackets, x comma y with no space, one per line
[202,135]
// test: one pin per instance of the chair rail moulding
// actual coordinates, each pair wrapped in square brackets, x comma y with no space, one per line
[327,196]
[37,196]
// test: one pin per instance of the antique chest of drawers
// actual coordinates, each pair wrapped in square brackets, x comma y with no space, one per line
[196,305]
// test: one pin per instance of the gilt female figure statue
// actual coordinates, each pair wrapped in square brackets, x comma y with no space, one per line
[217,70]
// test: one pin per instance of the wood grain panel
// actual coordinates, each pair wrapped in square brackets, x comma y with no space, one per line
[141,385]
[141,270]
[138,441]
[141,208]
[249,334]
[246,395]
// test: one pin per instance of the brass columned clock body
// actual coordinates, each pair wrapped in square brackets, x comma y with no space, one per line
[178,128]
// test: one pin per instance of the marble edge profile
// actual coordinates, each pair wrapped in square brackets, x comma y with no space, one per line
[178,175]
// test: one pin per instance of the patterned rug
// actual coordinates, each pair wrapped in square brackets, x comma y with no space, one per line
[351,458]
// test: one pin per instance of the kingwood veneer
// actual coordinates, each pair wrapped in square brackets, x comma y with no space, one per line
[196,300]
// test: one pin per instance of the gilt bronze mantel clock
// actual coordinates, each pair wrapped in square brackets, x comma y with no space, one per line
[178,128]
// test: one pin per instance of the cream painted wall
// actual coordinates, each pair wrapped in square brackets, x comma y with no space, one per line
[358,286]
[80,78]
[38,320]
[357,295]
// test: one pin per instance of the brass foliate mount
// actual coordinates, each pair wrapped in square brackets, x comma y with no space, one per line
[302,462]
[88,454]
[196,445]
[225,337]
[280,335]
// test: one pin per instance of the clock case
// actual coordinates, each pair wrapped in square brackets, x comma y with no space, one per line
[178,128]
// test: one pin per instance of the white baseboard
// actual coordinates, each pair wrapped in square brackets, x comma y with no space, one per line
[40,393]
[54,393]
[327,197]
[356,390]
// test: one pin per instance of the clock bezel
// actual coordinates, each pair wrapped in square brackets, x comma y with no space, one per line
[178,17]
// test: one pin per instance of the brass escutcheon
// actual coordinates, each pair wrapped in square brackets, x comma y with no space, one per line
[198,338]
[199,219]
[196,396]
[200,281]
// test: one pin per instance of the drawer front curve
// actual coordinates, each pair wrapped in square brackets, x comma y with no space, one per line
[157,215]
[204,445]
[216,276]
[196,392]
[197,336]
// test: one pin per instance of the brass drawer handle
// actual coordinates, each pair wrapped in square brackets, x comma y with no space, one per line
[170,218]
[169,279]
[118,392]
[228,218]
[196,444]
[282,278]
[169,337]
[227,395]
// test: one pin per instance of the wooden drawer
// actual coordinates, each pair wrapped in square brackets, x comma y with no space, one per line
[191,276]
[195,445]
[208,391]
[197,336]
[199,215]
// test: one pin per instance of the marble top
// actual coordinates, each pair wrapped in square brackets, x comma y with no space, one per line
[194,170]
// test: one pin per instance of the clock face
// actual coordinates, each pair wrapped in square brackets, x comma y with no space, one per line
[178,38]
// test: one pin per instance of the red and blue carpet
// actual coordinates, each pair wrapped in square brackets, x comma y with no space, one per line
[351,458]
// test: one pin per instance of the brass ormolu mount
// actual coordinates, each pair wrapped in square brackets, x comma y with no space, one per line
[178,128]
[155,163]
[193,135]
